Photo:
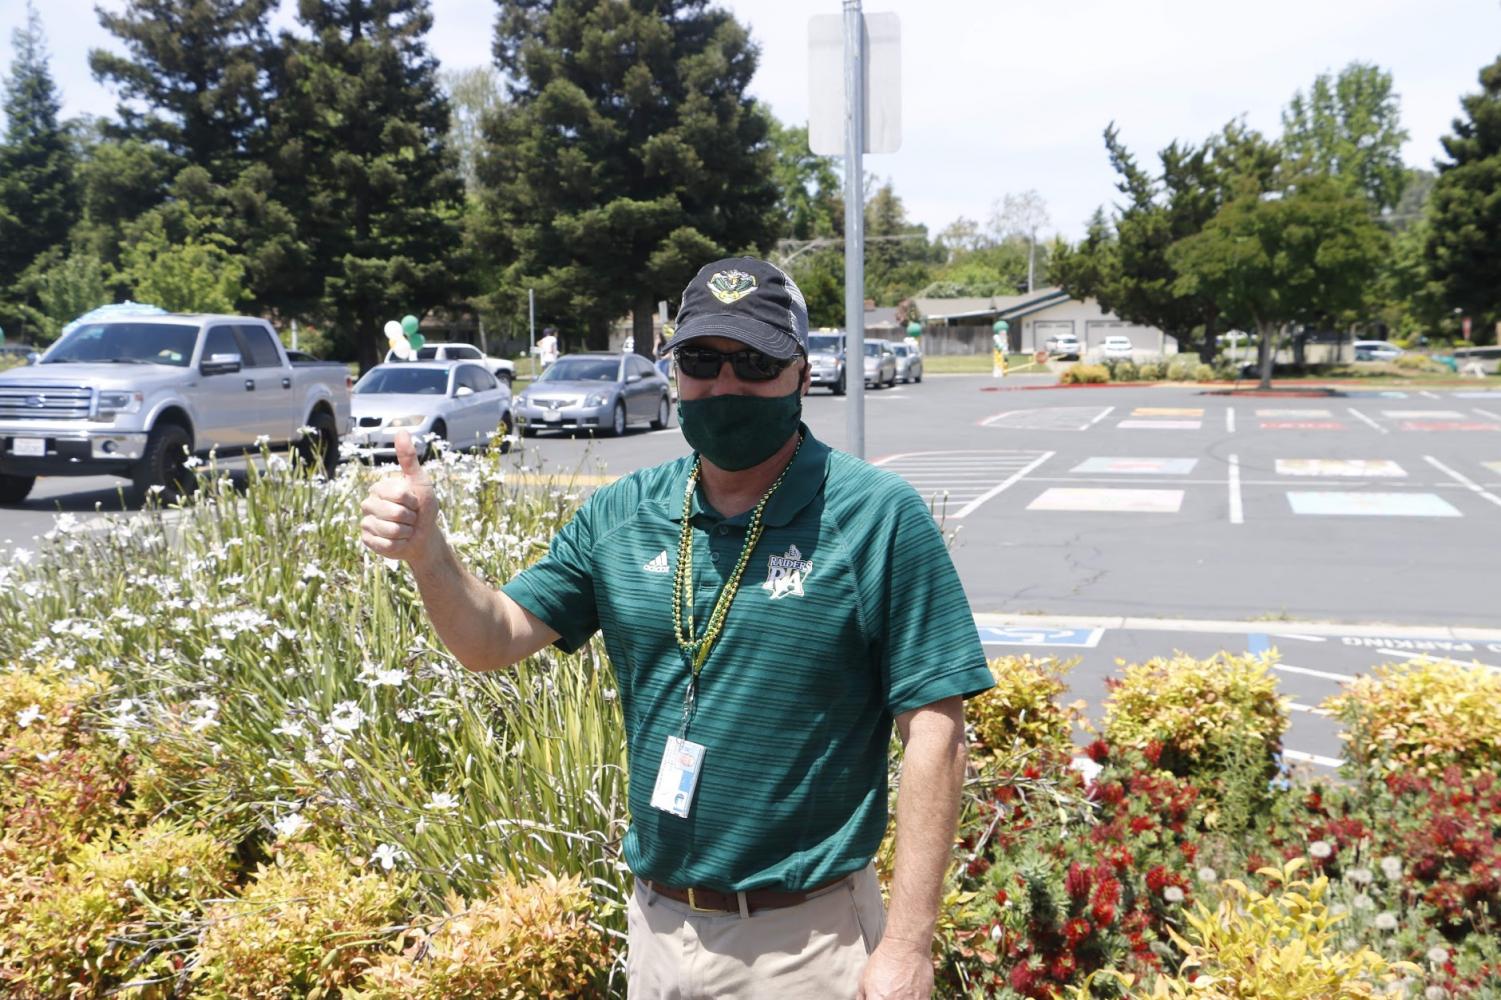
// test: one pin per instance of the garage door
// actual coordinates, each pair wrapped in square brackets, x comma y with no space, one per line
[1143,338]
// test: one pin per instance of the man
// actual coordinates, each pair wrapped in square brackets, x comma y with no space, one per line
[547,347]
[770,607]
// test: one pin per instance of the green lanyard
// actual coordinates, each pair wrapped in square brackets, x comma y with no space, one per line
[696,651]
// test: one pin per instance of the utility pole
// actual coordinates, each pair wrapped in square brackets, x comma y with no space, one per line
[854,225]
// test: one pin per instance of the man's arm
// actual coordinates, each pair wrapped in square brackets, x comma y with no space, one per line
[927,813]
[481,626]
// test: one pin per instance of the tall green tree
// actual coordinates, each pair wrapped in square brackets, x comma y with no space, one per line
[810,195]
[194,78]
[364,167]
[1350,128]
[472,94]
[38,189]
[899,259]
[1464,243]
[628,155]
[1269,258]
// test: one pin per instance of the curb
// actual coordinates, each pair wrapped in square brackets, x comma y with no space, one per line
[1460,633]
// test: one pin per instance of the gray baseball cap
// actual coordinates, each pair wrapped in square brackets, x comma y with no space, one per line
[747,299]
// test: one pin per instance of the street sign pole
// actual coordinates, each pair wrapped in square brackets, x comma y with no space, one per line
[854,225]
[531,327]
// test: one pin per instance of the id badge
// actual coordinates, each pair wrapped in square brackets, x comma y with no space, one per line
[677,778]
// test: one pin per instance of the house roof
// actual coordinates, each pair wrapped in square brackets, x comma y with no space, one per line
[996,307]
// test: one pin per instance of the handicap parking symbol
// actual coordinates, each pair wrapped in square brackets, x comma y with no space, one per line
[1024,635]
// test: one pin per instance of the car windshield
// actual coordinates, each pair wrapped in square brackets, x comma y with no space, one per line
[900,350]
[823,343]
[125,343]
[407,381]
[582,370]
[872,350]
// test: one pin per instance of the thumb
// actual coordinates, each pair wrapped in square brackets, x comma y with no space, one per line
[406,454]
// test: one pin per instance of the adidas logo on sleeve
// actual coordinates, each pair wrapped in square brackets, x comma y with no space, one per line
[658,563]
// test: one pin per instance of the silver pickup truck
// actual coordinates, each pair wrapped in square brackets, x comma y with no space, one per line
[134,396]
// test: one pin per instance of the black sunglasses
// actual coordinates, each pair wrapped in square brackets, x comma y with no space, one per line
[749,365]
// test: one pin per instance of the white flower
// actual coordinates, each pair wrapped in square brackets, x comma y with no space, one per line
[386,855]
[421,827]
[995,933]
[290,727]
[28,715]
[1360,876]
[1172,894]
[262,440]
[442,800]
[1087,768]
[1207,874]
[1435,993]
[1391,867]
[1386,920]
[346,717]
[213,654]
[1320,849]
[1438,955]
[290,826]
[1363,902]
[609,694]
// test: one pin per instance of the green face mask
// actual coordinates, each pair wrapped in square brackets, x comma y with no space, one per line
[737,432]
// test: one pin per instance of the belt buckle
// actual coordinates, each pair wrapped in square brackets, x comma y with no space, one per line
[693,904]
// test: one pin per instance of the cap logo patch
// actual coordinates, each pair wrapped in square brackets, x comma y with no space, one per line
[731,286]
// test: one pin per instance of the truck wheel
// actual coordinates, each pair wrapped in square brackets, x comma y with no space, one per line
[839,386]
[321,447]
[13,489]
[661,420]
[165,464]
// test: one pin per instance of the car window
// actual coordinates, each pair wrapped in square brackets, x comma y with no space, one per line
[900,350]
[640,366]
[260,350]
[826,343]
[582,370]
[427,354]
[221,340]
[158,343]
[464,352]
[416,381]
[483,380]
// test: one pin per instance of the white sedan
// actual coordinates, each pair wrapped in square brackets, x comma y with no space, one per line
[458,402]
[1117,346]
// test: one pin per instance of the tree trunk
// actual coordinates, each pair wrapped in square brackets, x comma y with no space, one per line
[597,337]
[641,325]
[1266,351]
[1207,347]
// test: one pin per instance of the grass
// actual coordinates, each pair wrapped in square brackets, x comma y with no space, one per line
[970,364]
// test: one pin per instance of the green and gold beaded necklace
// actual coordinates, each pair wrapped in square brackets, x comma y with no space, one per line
[696,651]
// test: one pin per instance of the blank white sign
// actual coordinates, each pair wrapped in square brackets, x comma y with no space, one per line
[883,84]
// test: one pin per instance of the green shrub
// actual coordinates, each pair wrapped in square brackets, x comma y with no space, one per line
[1181,368]
[307,926]
[1420,717]
[1421,363]
[1122,370]
[1151,371]
[1194,712]
[1080,373]
[1022,712]
[520,942]
[1204,373]
[116,913]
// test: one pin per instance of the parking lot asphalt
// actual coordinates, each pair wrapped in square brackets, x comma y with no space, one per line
[1130,521]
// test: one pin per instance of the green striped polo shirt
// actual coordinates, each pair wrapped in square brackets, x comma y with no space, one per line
[849,613]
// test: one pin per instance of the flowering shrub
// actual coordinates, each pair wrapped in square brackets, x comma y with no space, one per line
[1080,373]
[103,918]
[307,926]
[1422,716]
[1278,946]
[521,941]
[1022,713]
[1193,712]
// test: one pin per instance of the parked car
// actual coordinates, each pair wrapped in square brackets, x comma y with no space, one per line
[908,362]
[1117,346]
[595,391]
[826,360]
[1377,350]
[501,368]
[458,402]
[880,364]
[1062,345]
[136,395]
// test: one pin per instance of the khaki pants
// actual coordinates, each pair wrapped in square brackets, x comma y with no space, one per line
[813,951]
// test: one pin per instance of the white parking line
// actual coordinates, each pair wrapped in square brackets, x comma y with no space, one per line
[1430,395]
[1311,758]
[1297,706]
[1488,414]
[1468,483]
[1229,420]
[1103,414]
[1016,477]
[1368,421]
[1327,675]
[1237,511]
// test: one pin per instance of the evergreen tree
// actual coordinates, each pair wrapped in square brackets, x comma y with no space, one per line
[1464,243]
[363,165]
[194,78]
[38,192]
[628,155]
[898,258]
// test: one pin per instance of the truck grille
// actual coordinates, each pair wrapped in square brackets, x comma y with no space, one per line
[53,402]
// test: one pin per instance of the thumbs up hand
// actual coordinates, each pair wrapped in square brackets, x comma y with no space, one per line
[401,511]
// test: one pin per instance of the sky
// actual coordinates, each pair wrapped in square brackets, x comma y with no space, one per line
[1005,96]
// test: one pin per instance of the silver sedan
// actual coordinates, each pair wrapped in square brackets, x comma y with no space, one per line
[595,391]
[458,402]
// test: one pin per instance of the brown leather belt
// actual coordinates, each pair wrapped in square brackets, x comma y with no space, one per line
[716,901]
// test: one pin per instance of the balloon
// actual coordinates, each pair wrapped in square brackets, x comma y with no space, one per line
[409,325]
[393,330]
[416,340]
[398,342]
